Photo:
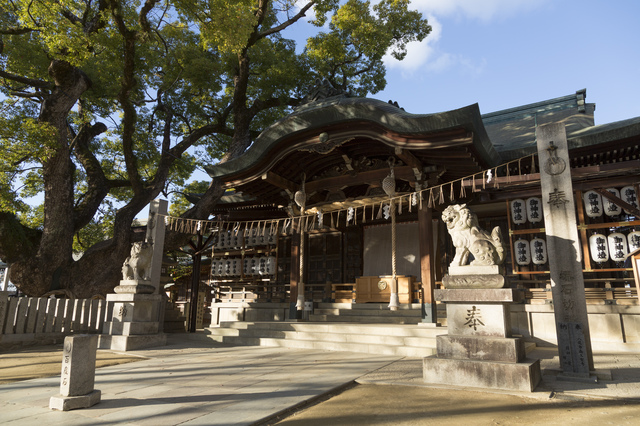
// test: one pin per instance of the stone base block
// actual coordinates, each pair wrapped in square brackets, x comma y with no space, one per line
[130,328]
[481,348]
[473,281]
[475,270]
[523,376]
[66,403]
[131,343]
[475,295]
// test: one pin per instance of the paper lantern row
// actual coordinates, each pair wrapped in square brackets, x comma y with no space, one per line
[530,251]
[257,265]
[233,240]
[595,205]
[614,246]
[523,210]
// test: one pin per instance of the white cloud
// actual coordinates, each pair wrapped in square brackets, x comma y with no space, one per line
[426,55]
[483,10]
[418,53]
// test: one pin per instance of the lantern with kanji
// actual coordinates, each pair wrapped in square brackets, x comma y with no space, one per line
[598,247]
[617,246]
[628,194]
[633,239]
[611,209]
[534,209]
[538,251]
[518,211]
[523,255]
[593,204]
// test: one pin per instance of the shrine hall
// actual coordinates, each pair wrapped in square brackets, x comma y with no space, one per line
[335,209]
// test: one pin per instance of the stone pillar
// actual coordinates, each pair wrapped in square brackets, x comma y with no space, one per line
[155,236]
[138,303]
[565,261]
[78,373]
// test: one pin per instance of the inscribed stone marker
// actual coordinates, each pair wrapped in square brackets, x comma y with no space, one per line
[78,372]
[565,264]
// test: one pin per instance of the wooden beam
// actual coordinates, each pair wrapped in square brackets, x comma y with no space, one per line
[408,158]
[372,176]
[280,182]
[618,202]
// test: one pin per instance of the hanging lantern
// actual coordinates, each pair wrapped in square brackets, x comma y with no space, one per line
[271,265]
[389,183]
[300,197]
[598,247]
[523,255]
[539,251]
[236,264]
[617,246]
[634,240]
[518,211]
[611,209]
[593,204]
[628,194]
[534,209]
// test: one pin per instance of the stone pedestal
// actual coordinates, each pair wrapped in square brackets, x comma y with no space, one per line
[136,318]
[78,373]
[478,350]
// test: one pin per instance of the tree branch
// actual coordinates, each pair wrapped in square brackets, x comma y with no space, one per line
[97,183]
[33,82]
[301,14]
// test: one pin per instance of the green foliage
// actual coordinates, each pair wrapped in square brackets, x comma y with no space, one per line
[180,204]
[183,76]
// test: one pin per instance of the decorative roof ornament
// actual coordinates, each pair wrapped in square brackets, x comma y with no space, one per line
[322,89]
[395,104]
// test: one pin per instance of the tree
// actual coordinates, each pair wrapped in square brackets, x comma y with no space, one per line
[110,103]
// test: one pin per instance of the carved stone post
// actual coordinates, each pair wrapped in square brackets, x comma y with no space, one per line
[565,264]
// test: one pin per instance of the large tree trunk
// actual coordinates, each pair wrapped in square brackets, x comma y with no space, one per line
[45,271]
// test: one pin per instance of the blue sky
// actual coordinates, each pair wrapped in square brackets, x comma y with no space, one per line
[505,53]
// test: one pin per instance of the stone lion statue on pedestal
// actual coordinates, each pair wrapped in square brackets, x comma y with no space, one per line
[468,238]
[138,264]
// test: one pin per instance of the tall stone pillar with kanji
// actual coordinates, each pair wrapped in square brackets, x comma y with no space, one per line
[565,261]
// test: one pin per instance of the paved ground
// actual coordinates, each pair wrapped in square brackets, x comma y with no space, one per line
[196,383]
[44,361]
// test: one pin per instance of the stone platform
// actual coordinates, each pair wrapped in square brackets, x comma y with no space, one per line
[136,318]
[479,350]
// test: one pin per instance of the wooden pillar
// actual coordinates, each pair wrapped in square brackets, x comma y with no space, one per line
[196,258]
[294,274]
[425,231]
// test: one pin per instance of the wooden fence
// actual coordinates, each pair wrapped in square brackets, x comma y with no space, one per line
[47,320]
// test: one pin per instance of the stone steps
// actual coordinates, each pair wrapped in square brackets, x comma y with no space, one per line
[385,339]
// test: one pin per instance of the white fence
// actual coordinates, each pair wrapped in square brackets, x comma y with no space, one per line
[46,320]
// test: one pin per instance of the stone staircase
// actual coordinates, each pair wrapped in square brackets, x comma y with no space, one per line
[368,328]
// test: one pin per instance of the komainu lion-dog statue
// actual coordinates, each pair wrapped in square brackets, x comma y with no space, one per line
[468,238]
[138,264]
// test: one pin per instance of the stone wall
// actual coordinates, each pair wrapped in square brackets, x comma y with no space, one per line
[614,328]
